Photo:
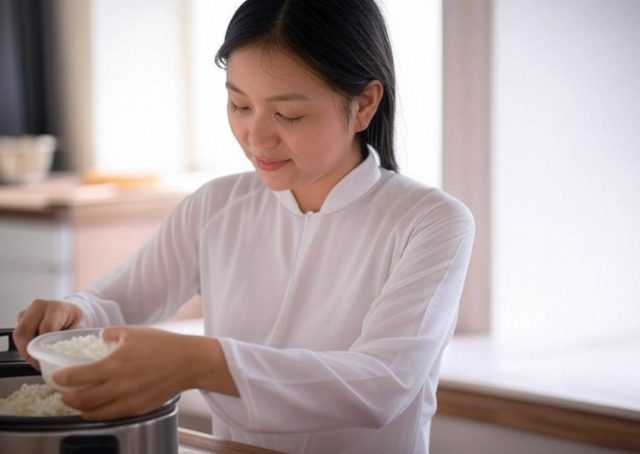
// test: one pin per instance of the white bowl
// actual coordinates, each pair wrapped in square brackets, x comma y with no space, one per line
[51,360]
[25,159]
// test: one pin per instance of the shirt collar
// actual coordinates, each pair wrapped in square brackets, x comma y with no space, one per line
[346,191]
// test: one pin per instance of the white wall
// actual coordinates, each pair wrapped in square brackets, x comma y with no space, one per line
[138,85]
[415,30]
[567,169]
[215,148]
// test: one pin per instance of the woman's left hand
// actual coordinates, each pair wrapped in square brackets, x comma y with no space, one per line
[149,367]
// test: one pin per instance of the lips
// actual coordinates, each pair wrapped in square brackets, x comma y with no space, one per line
[270,165]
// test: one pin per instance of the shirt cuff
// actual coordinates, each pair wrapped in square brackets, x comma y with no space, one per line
[97,312]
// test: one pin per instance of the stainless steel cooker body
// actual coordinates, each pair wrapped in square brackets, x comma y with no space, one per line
[154,433]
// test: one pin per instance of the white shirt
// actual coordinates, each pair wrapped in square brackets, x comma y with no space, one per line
[333,323]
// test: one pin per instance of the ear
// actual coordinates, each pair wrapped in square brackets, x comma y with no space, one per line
[367,104]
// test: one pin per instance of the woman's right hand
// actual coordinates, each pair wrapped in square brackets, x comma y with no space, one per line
[43,316]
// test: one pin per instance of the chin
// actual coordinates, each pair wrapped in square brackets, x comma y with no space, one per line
[274,184]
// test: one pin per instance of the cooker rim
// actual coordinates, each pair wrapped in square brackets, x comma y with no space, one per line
[64,423]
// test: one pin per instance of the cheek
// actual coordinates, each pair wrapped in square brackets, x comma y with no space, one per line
[316,147]
[328,137]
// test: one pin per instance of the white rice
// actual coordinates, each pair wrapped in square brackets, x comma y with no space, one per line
[35,400]
[88,347]
[43,400]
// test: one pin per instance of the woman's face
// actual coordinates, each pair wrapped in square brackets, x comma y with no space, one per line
[290,124]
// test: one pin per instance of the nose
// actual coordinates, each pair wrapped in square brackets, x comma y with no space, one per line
[261,132]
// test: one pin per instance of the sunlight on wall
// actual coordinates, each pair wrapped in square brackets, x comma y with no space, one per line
[415,27]
[567,167]
[137,86]
[215,148]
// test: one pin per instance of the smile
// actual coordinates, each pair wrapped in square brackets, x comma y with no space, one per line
[270,165]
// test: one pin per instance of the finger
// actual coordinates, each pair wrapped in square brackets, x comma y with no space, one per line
[58,316]
[82,376]
[75,319]
[114,333]
[27,327]
[113,399]
[91,398]
[28,320]
[53,320]
[127,404]
[115,410]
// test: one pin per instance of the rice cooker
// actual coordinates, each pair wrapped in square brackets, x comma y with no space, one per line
[154,433]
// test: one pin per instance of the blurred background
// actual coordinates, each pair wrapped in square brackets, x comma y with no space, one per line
[526,110]
[132,86]
[131,93]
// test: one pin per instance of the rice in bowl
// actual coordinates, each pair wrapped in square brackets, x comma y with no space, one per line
[87,347]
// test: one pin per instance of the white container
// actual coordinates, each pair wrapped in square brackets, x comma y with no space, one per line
[51,360]
[25,159]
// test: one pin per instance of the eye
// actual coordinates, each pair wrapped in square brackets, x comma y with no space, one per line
[236,108]
[288,120]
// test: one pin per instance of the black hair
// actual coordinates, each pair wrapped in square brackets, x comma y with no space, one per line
[345,42]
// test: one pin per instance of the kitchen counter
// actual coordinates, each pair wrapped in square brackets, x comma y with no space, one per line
[585,393]
[66,191]
[600,379]
[192,442]
[61,234]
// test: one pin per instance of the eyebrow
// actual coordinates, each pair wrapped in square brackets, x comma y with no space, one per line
[282,97]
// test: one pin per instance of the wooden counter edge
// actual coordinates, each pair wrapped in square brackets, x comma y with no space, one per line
[542,418]
[200,440]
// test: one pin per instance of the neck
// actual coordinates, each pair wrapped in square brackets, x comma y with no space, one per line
[310,198]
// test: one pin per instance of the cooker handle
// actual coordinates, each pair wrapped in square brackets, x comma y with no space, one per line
[8,332]
[11,363]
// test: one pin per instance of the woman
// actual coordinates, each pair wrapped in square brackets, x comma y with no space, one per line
[330,282]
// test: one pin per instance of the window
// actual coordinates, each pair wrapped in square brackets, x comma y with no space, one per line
[161,106]
[566,170]
[552,175]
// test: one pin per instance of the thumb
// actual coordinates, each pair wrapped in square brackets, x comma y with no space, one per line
[113,333]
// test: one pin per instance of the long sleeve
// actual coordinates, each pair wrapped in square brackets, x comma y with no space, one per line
[150,285]
[403,334]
